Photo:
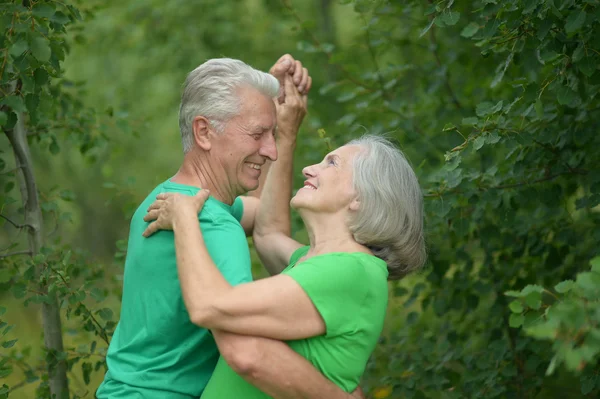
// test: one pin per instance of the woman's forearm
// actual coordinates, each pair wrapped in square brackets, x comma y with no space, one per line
[274,211]
[201,281]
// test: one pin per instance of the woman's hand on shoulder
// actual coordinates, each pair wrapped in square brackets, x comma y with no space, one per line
[169,207]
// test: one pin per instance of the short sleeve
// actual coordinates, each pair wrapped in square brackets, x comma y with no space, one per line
[237,209]
[300,252]
[336,285]
[228,248]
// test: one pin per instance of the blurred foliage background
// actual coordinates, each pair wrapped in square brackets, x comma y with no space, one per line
[494,102]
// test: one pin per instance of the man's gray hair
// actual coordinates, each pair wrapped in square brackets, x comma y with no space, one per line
[390,218]
[210,91]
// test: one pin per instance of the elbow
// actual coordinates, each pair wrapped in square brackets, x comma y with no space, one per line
[202,318]
[243,356]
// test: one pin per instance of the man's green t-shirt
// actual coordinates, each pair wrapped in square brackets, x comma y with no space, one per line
[350,292]
[156,352]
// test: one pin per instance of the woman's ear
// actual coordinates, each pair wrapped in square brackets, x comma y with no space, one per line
[355,205]
[201,128]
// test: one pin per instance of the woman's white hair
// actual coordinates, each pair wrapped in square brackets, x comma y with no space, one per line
[390,217]
[210,91]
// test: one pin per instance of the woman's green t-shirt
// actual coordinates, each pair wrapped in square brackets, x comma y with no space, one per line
[350,292]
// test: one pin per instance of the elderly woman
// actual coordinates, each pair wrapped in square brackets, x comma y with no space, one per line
[363,210]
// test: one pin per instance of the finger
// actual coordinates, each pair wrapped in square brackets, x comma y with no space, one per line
[201,197]
[282,66]
[151,229]
[305,101]
[308,85]
[298,73]
[303,80]
[163,196]
[290,89]
[155,205]
[151,215]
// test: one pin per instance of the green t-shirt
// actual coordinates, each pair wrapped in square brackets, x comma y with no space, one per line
[156,352]
[350,292]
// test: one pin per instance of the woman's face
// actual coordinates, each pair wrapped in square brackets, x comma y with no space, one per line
[328,186]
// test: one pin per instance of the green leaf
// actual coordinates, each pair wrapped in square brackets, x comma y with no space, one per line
[575,21]
[487,108]
[470,121]
[42,10]
[3,118]
[9,344]
[9,186]
[516,306]
[451,18]
[54,148]
[426,29]
[478,143]
[448,126]
[106,313]
[595,262]
[40,49]
[534,300]
[14,102]
[588,66]
[2,310]
[40,76]
[531,288]
[470,30]
[516,320]
[18,48]
[539,108]
[564,286]
[565,95]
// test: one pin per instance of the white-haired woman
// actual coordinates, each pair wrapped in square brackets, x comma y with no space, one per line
[363,210]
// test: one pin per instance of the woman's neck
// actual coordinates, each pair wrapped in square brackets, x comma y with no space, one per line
[329,233]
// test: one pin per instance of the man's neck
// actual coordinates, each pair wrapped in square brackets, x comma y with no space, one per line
[197,171]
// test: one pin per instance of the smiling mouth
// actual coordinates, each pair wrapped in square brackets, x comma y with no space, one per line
[254,165]
[309,186]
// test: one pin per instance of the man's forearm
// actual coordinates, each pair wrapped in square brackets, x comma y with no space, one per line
[274,368]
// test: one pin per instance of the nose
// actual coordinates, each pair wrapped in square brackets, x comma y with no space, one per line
[309,171]
[268,148]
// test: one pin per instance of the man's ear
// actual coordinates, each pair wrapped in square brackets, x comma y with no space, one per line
[355,205]
[201,128]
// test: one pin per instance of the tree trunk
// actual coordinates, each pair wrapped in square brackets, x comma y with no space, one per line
[33,220]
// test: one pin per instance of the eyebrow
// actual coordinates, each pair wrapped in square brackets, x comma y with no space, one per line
[261,129]
[332,156]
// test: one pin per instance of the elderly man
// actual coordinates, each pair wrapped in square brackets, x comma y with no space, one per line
[227,120]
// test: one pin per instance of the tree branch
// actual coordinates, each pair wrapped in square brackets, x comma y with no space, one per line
[51,322]
[17,226]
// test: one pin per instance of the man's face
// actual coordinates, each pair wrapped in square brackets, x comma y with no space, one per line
[247,141]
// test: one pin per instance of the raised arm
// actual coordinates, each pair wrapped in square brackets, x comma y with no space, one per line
[272,226]
[274,368]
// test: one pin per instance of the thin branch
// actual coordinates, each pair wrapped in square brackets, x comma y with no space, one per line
[17,226]
[16,253]
[103,334]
